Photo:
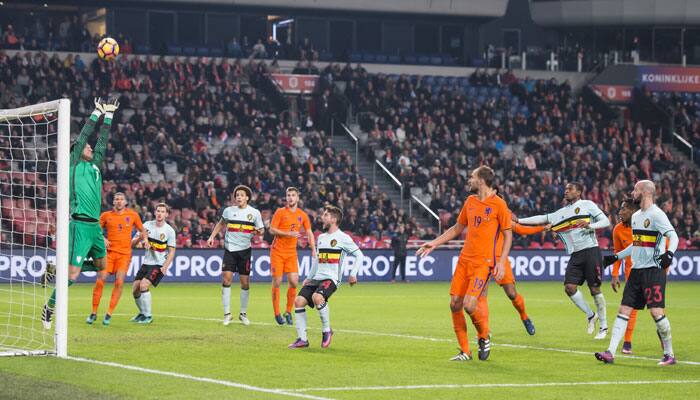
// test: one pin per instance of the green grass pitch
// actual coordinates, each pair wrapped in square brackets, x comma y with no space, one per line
[387,337]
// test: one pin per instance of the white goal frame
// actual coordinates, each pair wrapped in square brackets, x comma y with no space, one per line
[62,106]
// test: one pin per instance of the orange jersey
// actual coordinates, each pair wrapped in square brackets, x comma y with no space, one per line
[622,238]
[119,228]
[286,220]
[485,220]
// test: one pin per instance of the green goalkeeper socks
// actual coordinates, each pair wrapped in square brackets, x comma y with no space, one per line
[52,299]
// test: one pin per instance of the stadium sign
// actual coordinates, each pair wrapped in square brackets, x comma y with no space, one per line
[613,93]
[292,83]
[204,265]
[669,79]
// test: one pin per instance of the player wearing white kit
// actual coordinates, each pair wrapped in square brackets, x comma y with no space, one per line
[242,222]
[575,224]
[325,275]
[160,252]
[646,286]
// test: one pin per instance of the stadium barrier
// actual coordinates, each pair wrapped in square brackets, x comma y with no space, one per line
[204,265]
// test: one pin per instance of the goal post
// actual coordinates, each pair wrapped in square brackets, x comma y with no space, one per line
[34,218]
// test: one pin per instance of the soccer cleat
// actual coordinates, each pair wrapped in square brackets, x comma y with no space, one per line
[605,357]
[288,318]
[591,323]
[602,334]
[667,360]
[279,319]
[461,356]
[107,319]
[529,326]
[91,319]
[298,344]
[49,274]
[484,349]
[145,320]
[137,318]
[326,339]
[627,348]
[244,319]
[227,319]
[46,315]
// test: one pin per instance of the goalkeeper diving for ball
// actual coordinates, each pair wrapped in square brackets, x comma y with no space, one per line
[86,248]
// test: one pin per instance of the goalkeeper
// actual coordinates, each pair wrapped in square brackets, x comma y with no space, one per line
[86,248]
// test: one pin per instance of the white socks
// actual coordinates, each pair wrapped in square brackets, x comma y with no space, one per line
[618,332]
[599,300]
[300,314]
[325,313]
[139,303]
[577,298]
[146,303]
[664,329]
[226,299]
[244,300]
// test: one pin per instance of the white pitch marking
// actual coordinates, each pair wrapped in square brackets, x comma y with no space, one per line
[432,339]
[491,385]
[243,386]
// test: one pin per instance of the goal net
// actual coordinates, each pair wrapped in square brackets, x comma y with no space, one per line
[34,202]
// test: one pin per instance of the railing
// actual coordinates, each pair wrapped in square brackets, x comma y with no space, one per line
[357,143]
[689,147]
[386,171]
[426,208]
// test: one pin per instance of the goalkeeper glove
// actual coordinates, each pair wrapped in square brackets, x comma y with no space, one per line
[109,108]
[607,260]
[99,110]
[666,259]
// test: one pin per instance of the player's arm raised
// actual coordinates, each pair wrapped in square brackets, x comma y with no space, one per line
[534,220]
[109,108]
[598,220]
[450,234]
[215,232]
[86,132]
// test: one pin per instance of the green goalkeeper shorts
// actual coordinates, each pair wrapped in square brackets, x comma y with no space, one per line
[85,241]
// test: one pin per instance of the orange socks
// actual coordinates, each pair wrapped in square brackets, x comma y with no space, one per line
[630,326]
[480,317]
[291,295]
[519,304]
[97,295]
[459,322]
[116,295]
[276,300]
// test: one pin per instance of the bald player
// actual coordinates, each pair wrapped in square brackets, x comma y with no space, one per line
[646,286]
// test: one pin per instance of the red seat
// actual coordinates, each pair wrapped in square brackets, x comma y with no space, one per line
[535,245]
[548,245]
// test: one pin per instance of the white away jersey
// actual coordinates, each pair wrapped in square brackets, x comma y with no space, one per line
[564,223]
[160,238]
[241,224]
[648,230]
[332,250]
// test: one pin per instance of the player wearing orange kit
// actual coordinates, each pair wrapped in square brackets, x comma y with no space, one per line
[286,226]
[508,280]
[622,238]
[486,216]
[119,224]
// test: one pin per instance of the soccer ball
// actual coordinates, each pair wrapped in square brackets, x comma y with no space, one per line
[108,49]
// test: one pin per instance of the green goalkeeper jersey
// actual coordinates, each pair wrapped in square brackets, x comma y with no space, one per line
[85,176]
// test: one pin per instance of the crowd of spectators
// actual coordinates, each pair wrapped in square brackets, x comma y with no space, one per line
[188,132]
[535,133]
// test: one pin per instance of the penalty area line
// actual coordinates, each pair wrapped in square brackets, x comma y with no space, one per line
[432,339]
[491,385]
[279,392]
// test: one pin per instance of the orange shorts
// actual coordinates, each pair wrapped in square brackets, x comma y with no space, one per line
[469,279]
[281,264]
[117,262]
[508,277]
